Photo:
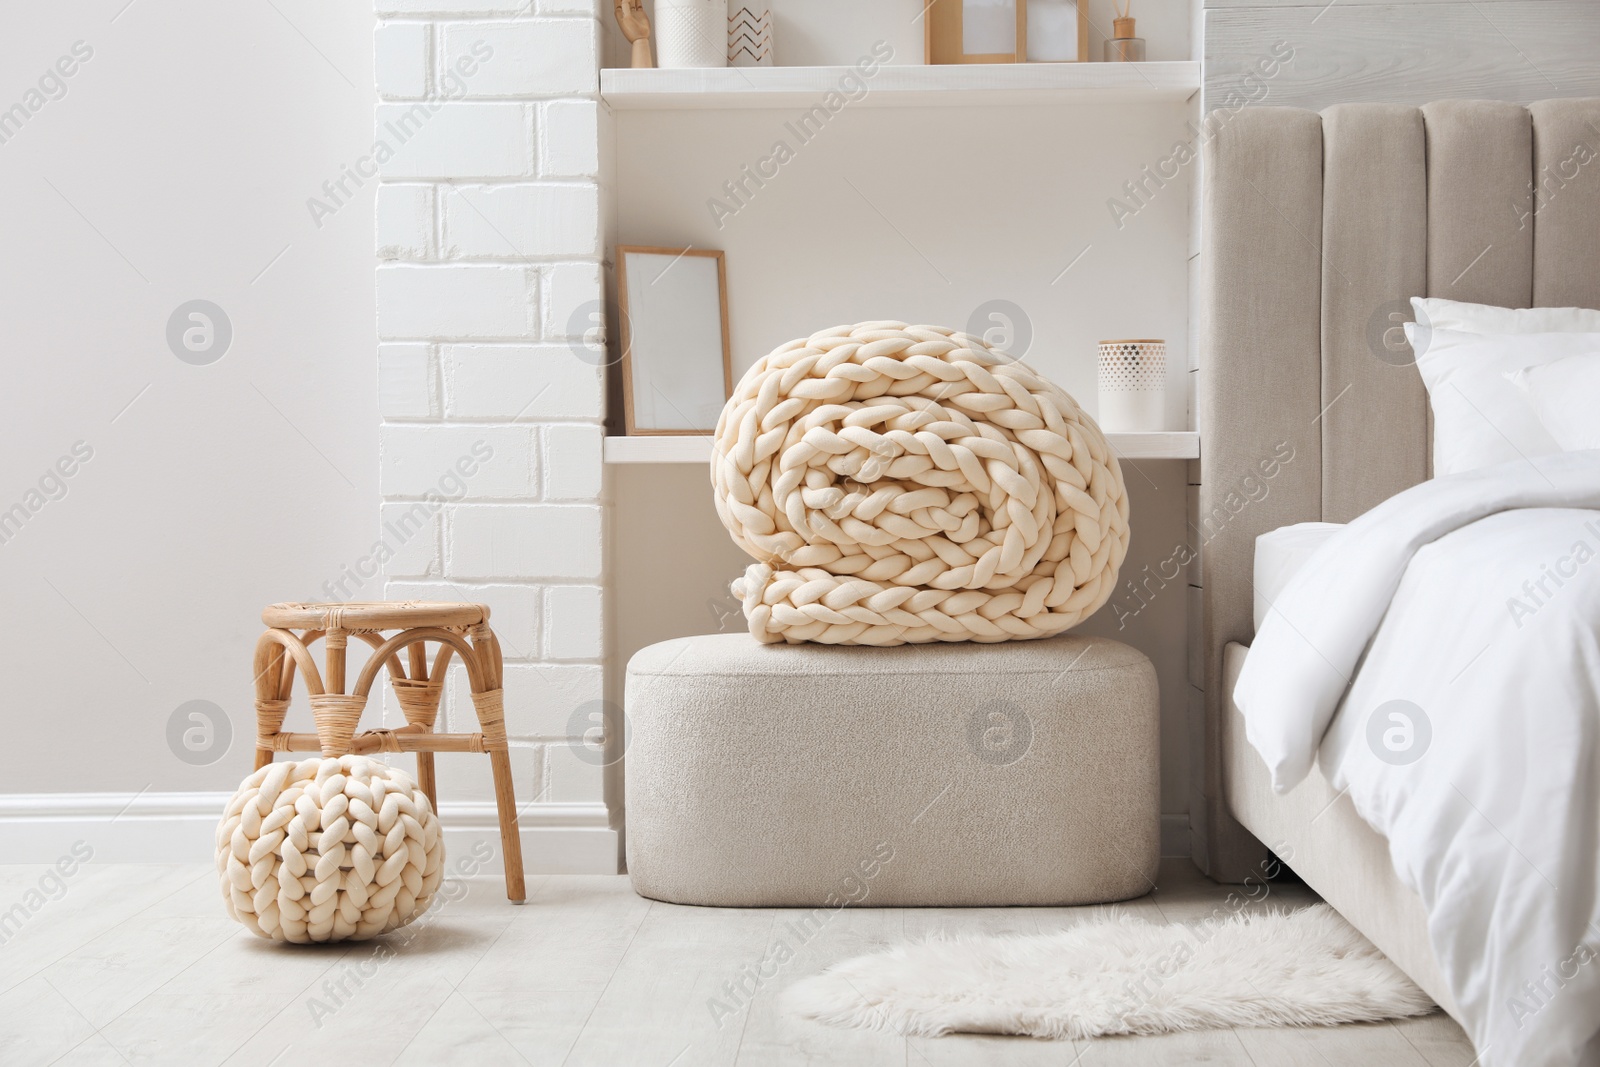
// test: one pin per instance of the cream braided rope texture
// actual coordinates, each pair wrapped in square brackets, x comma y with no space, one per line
[328,850]
[910,484]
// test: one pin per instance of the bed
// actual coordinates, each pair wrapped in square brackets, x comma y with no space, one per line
[1317,229]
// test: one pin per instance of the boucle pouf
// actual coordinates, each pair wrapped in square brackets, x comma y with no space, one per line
[907,484]
[952,775]
[328,850]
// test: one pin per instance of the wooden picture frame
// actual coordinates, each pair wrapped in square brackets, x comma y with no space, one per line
[944,36]
[647,336]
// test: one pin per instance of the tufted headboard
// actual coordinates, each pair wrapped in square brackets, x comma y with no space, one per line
[1316,230]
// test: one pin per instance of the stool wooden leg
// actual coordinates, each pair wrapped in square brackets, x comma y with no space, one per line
[490,707]
[270,704]
[417,654]
[510,838]
[425,779]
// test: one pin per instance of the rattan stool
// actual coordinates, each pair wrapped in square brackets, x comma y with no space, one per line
[456,628]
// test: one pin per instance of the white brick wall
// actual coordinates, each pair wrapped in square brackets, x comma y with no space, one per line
[574,629]
[515,541]
[412,532]
[406,381]
[532,57]
[521,381]
[449,7]
[404,223]
[479,462]
[569,305]
[569,141]
[488,232]
[522,220]
[456,301]
[444,139]
[572,462]
[400,62]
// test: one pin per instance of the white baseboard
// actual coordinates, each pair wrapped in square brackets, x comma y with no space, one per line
[568,838]
[1175,839]
[556,838]
[565,838]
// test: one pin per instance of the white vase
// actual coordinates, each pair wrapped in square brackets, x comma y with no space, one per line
[691,33]
[1133,386]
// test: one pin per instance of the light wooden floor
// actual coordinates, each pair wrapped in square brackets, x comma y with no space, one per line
[139,964]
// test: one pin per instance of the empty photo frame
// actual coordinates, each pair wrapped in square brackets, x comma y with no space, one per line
[975,31]
[677,370]
[1005,31]
[1058,31]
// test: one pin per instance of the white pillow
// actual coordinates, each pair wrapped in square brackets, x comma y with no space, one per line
[1480,417]
[1485,318]
[1566,397]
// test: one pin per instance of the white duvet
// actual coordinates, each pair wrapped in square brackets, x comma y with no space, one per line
[1440,657]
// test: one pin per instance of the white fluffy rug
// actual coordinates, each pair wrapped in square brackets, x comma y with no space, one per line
[1120,975]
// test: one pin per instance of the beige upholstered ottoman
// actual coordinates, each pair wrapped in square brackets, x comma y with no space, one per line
[922,775]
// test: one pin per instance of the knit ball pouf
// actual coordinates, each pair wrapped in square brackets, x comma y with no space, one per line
[903,484]
[328,850]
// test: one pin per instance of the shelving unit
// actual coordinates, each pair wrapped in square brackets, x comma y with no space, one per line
[910,85]
[1045,202]
[698,449]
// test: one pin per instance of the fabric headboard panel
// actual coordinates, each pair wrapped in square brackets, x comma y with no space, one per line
[1317,229]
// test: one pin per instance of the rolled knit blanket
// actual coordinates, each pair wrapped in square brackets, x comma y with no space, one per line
[902,484]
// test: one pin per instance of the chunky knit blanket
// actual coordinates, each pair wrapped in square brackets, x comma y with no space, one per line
[909,484]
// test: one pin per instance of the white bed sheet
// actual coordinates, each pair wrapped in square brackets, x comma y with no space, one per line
[1280,554]
[1439,659]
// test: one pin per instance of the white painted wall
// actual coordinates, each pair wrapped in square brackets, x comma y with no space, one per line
[927,214]
[174,164]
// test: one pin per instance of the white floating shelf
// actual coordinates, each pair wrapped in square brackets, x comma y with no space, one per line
[698,449]
[910,85]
